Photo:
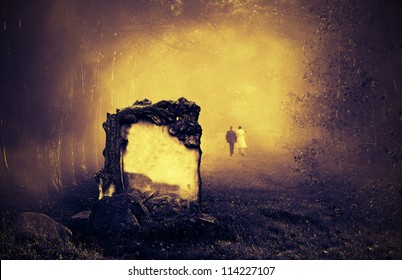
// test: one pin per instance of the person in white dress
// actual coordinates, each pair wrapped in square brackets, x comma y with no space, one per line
[241,140]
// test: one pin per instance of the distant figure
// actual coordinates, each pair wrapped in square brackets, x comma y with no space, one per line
[241,140]
[231,138]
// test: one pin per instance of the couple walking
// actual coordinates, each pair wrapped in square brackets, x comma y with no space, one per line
[238,137]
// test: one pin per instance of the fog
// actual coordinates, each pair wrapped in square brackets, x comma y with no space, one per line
[235,78]
[67,63]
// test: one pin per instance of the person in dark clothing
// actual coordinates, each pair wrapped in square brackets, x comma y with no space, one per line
[231,138]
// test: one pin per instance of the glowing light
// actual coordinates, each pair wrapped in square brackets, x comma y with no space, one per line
[155,161]
[235,76]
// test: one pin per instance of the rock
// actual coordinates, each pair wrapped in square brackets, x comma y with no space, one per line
[123,222]
[115,220]
[167,208]
[82,215]
[78,222]
[31,225]
[137,206]
[172,218]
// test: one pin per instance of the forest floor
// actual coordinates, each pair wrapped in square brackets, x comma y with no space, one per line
[262,211]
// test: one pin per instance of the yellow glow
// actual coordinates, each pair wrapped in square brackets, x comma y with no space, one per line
[165,164]
[236,77]
[110,191]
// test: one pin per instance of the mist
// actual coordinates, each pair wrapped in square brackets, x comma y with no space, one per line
[316,85]
[67,63]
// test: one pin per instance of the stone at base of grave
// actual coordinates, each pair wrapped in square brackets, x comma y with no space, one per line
[166,208]
[115,220]
[31,225]
[79,221]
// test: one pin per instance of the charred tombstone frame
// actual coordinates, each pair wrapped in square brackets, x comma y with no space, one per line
[180,118]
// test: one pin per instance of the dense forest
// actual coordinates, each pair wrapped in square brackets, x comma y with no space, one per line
[320,76]
[315,84]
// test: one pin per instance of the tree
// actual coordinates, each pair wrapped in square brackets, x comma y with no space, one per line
[351,101]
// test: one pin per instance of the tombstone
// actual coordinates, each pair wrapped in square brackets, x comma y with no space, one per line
[154,150]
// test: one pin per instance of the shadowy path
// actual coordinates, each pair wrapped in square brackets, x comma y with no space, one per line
[290,219]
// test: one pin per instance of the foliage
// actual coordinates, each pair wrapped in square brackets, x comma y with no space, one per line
[350,102]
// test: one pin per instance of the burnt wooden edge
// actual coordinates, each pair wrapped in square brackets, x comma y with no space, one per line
[181,118]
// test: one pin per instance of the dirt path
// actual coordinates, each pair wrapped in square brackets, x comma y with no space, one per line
[250,171]
[281,217]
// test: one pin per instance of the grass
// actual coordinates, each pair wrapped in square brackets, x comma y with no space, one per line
[262,211]
[40,249]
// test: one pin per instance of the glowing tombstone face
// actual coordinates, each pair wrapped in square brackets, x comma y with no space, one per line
[156,162]
[153,149]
